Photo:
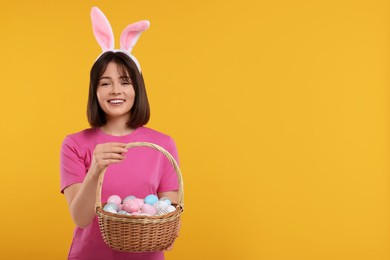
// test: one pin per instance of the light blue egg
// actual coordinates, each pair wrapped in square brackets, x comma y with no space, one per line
[110,207]
[110,210]
[122,212]
[168,201]
[151,199]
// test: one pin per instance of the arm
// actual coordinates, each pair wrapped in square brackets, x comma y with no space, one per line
[173,196]
[81,196]
[169,178]
[81,201]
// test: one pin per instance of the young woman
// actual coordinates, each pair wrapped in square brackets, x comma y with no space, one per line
[117,111]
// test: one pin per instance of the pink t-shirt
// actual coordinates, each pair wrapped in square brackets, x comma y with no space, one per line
[144,171]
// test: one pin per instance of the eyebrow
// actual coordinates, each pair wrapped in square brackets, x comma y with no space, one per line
[122,77]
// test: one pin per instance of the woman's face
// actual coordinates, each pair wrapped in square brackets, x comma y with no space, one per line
[115,93]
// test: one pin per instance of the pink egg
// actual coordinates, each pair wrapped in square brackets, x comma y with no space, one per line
[140,202]
[120,206]
[114,199]
[131,206]
[148,209]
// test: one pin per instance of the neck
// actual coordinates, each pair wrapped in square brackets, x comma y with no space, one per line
[116,127]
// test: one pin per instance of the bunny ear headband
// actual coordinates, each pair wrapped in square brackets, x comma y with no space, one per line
[105,36]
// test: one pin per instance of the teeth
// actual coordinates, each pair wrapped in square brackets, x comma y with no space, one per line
[116,101]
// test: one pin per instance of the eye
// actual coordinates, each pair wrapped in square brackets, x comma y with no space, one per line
[127,83]
[104,84]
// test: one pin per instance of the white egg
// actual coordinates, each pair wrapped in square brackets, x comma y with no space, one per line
[162,212]
[160,205]
[171,208]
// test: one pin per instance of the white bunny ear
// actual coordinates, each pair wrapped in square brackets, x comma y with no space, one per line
[102,29]
[131,33]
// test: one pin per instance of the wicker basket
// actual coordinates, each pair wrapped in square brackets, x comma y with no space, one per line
[140,233]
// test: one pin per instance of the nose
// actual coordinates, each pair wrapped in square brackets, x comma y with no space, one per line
[115,89]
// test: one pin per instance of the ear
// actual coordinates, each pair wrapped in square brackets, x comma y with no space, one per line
[131,34]
[102,29]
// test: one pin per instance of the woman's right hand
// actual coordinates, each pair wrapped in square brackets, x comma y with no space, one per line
[81,197]
[106,154]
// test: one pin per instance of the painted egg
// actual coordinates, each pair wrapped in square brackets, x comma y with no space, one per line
[114,199]
[168,201]
[120,207]
[148,209]
[131,206]
[160,205]
[122,212]
[171,208]
[111,211]
[151,199]
[162,212]
[129,198]
[140,202]
[110,207]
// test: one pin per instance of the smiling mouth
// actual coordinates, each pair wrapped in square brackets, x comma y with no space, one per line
[116,101]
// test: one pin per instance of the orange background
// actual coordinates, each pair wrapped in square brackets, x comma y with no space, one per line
[279,110]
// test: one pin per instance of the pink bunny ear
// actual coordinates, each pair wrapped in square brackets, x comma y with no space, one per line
[102,29]
[131,33]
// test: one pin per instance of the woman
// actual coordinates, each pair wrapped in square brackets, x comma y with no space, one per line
[117,111]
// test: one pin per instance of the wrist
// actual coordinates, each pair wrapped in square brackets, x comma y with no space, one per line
[93,173]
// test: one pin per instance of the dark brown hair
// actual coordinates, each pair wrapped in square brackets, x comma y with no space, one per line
[140,112]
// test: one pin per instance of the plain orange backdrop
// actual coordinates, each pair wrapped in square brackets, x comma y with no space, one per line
[279,110]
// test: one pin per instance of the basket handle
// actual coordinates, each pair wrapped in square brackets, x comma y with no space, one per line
[98,203]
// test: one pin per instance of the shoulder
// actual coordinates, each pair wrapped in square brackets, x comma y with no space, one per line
[82,136]
[80,139]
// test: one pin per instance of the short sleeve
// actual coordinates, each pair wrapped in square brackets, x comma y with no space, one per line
[169,180]
[72,166]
